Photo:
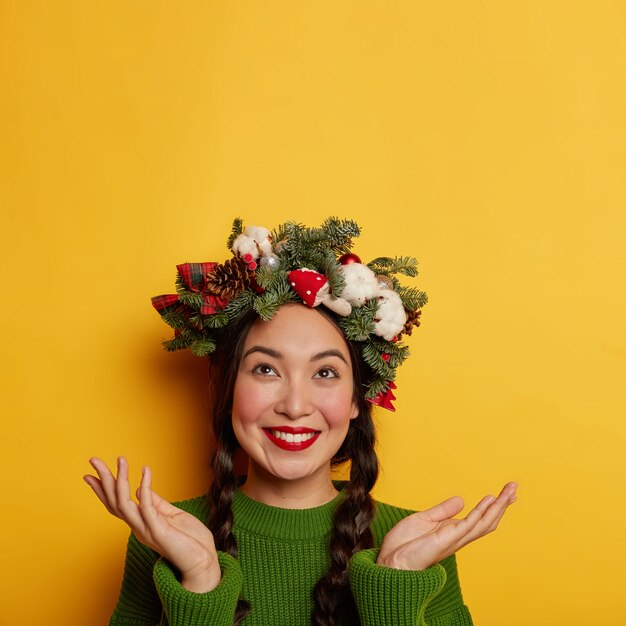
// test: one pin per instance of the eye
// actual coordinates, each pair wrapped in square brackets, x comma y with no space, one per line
[327,372]
[264,369]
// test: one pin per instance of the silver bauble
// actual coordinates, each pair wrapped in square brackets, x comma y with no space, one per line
[271,260]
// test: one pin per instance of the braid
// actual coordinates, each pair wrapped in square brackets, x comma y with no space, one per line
[221,496]
[224,365]
[351,532]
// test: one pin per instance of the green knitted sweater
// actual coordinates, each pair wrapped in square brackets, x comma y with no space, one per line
[282,554]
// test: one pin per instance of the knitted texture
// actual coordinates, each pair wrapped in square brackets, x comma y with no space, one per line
[282,554]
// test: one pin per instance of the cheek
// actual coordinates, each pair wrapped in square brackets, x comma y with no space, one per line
[248,403]
[337,408]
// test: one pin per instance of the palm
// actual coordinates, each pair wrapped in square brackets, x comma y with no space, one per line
[175,534]
[426,537]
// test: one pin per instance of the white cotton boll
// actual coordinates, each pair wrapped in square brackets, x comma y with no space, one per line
[244,245]
[261,237]
[361,284]
[265,247]
[258,233]
[391,315]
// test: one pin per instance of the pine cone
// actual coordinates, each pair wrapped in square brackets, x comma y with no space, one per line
[412,321]
[230,278]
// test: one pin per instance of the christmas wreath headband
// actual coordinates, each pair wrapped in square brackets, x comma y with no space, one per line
[293,263]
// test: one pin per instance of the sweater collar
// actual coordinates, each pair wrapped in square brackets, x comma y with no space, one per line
[257,518]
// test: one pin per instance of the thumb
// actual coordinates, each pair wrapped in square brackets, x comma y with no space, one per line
[159,503]
[446,509]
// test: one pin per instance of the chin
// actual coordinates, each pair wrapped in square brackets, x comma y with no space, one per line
[291,471]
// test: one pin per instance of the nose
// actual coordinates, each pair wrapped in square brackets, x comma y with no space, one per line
[295,400]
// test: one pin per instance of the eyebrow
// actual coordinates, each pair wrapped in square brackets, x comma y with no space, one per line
[264,350]
[322,355]
[279,355]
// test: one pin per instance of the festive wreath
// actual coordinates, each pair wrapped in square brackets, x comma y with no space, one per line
[294,263]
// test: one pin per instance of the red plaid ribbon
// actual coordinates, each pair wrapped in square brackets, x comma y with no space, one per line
[161,303]
[194,277]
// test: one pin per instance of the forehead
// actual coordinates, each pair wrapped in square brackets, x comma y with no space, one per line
[298,327]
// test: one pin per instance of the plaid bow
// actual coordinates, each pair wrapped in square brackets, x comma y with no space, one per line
[194,277]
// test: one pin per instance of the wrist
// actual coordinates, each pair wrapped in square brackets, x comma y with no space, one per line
[202,580]
[394,562]
[387,560]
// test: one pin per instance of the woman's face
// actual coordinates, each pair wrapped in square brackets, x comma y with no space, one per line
[293,396]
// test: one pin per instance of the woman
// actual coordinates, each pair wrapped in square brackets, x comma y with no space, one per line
[289,545]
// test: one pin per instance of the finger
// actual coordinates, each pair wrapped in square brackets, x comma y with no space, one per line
[107,481]
[148,511]
[473,518]
[508,497]
[162,505]
[445,510]
[127,507]
[490,515]
[496,521]
[458,531]
[94,483]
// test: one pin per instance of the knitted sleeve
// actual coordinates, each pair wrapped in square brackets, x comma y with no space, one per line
[150,591]
[430,597]
[187,608]
[138,603]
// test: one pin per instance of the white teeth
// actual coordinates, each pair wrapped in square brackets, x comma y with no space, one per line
[291,438]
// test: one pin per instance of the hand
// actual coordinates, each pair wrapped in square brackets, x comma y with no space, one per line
[175,534]
[426,537]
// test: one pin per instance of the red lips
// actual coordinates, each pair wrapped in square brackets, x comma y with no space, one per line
[292,446]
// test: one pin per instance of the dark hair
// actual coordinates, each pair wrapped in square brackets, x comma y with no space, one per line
[351,527]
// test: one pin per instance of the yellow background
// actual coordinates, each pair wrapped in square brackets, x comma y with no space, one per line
[484,138]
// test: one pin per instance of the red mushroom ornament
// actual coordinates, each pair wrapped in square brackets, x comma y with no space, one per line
[314,290]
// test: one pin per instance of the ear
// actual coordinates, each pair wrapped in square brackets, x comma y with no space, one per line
[354,411]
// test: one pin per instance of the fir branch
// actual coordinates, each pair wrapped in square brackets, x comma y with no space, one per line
[176,343]
[359,325]
[330,268]
[270,277]
[377,385]
[307,247]
[394,265]
[339,233]
[397,358]
[197,320]
[192,299]
[292,246]
[186,336]
[280,234]
[175,316]
[240,303]
[217,320]
[236,230]
[412,298]
[374,359]
[398,352]
[203,347]
[268,303]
